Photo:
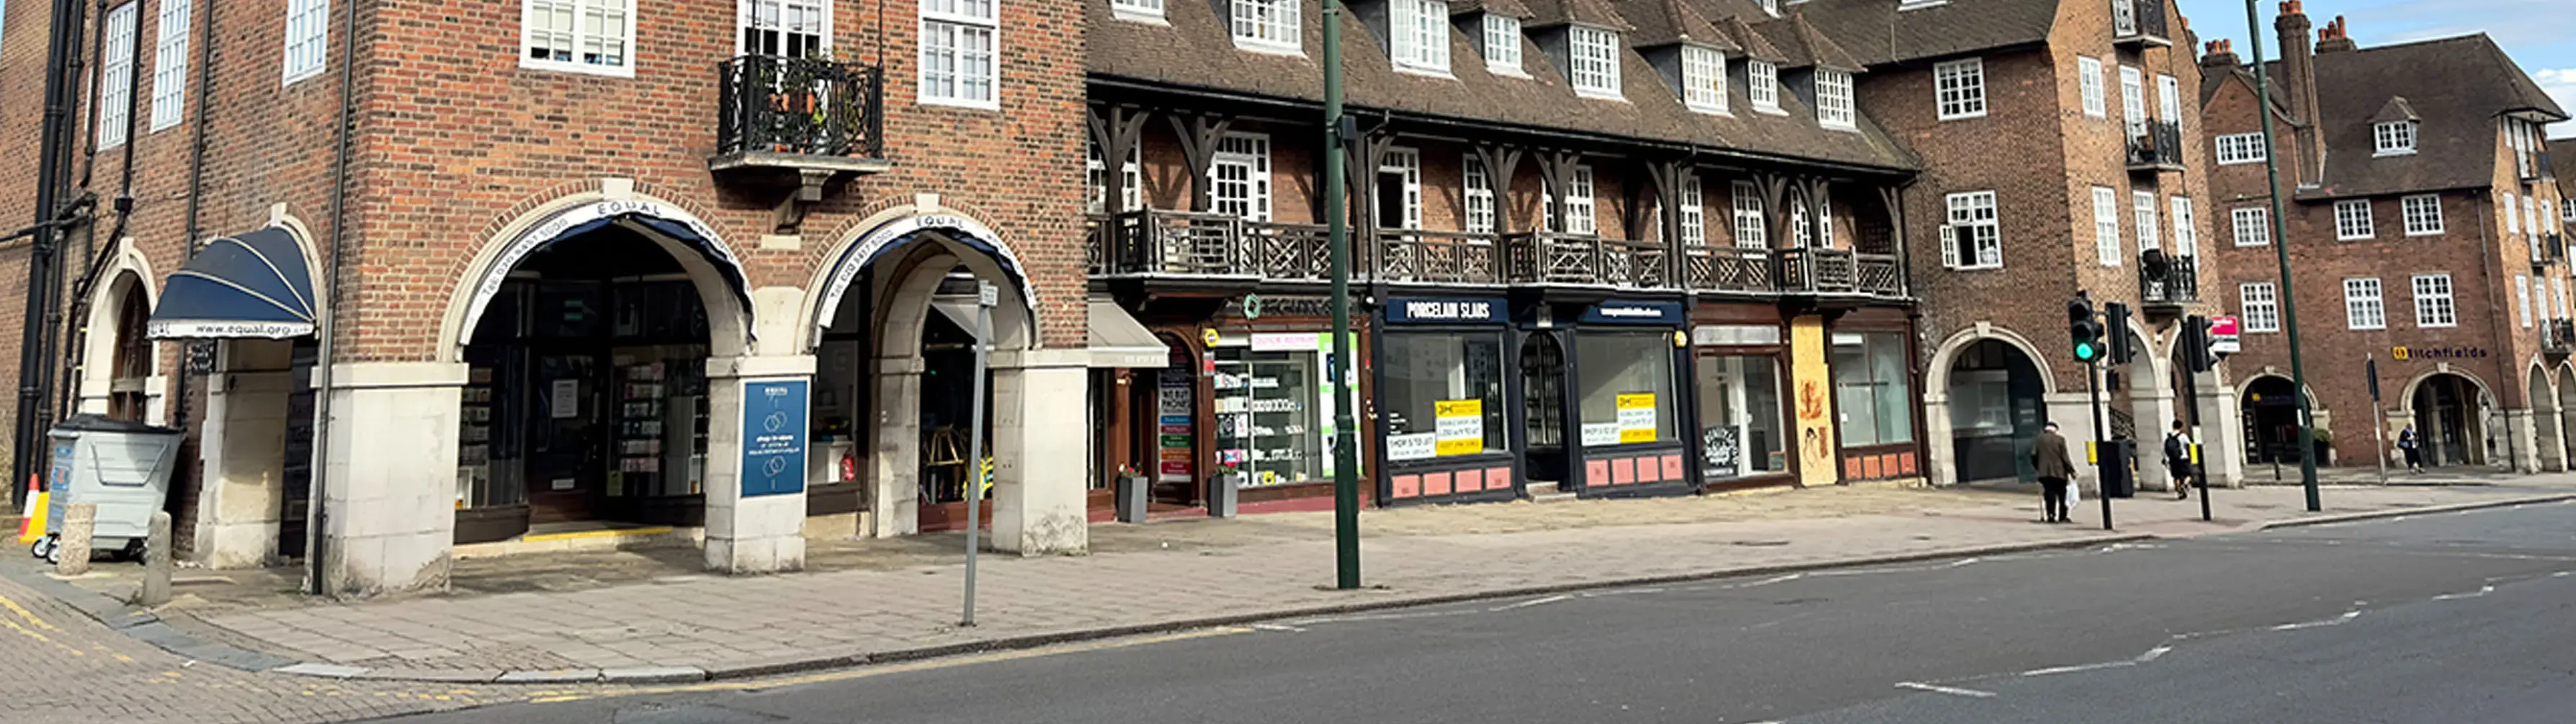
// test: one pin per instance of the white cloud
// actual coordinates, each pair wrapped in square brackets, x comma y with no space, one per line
[2560,83]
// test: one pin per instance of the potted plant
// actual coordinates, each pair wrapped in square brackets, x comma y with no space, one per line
[1222,490]
[1133,491]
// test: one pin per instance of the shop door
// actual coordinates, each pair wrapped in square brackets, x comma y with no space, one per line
[1543,395]
[295,501]
[567,443]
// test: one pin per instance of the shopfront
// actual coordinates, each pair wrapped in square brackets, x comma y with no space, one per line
[1443,402]
[1626,398]
[1736,373]
[1874,400]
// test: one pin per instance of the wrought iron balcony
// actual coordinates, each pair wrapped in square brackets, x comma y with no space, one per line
[1818,271]
[2547,248]
[2167,280]
[800,121]
[1173,243]
[1727,269]
[1437,257]
[1549,257]
[2558,338]
[2156,146]
[2139,21]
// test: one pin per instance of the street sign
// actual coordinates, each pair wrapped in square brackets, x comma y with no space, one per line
[2222,335]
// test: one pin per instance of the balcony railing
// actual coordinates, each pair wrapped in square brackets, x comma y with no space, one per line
[800,107]
[2548,248]
[2558,337]
[1291,252]
[1437,257]
[1727,269]
[2156,146]
[1549,257]
[1155,243]
[1818,271]
[2168,280]
[2139,21]
[1879,275]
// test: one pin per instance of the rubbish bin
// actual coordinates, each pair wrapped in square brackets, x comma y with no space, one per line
[2118,479]
[123,468]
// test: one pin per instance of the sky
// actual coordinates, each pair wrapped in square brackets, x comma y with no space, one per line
[2539,34]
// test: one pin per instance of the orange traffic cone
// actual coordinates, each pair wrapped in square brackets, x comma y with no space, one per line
[31,522]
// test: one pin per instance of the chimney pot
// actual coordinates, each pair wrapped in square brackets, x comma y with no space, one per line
[2289,7]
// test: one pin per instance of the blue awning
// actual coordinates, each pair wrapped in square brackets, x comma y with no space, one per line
[255,285]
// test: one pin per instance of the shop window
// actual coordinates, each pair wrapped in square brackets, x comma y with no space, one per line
[1269,424]
[1627,383]
[1871,390]
[1740,416]
[1442,394]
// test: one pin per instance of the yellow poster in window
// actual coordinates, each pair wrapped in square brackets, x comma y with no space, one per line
[1459,427]
[1636,418]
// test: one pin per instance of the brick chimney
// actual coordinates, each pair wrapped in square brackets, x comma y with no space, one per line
[2333,38]
[2220,53]
[2298,78]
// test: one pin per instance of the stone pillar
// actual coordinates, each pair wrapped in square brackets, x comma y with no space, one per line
[242,449]
[759,533]
[2547,436]
[1040,497]
[2222,433]
[2155,412]
[2520,441]
[390,500]
[894,481]
[1941,463]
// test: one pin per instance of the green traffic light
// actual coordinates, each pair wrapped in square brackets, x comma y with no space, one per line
[2085,351]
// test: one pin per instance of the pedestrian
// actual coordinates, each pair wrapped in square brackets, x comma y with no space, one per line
[2056,470]
[2412,448]
[2178,460]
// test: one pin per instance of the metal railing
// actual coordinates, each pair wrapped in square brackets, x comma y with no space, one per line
[1156,242]
[1727,269]
[1818,271]
[800,106]
[2157,144]
[2164,279]
[2548,248]
[2138,19]
[1437,257]
[2558,337]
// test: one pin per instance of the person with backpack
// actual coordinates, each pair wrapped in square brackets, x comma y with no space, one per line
[2407,444]
[2178,460]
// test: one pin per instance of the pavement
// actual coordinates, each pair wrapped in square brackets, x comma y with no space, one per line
[2422,617]
[580,624]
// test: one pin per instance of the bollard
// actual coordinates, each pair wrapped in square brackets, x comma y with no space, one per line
[79,521]
[156,562]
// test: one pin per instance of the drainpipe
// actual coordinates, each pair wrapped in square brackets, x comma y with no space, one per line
[318,512]
[62,83]
[196,187]
[75,363]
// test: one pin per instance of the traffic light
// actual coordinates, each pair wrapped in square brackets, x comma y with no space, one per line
[2118,331]
[2082,331]
[2194,346]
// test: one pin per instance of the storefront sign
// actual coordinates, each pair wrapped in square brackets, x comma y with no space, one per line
[1443,311]
[773,437]
[1634,313]
[2223,338]
[969,231]
[546,231]
[1287,341]
[1415,446]
[564,399]
[1738,335]
[1725,447]
[1460,425]
[2403,354]
[1600,434]
[1255,306]
[1636,418]
[1175,404]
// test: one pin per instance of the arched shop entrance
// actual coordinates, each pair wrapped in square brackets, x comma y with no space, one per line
[2271,420]
[2567,411]
[2453,419]
[586,402]
[1996,408]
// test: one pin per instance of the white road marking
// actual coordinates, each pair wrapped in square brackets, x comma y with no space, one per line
[1529,603]
[2079,667]
[2336,621]
[1277,627]
[2154,653]
[2482,590]
[1939,689]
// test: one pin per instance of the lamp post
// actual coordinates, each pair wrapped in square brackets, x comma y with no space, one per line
[1346,483]
[2281,253]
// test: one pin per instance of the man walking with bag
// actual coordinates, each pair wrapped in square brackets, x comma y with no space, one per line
[2178,460]
[2048,456]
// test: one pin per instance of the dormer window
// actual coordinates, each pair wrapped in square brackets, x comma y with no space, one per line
[1762,84]
[1594,55]
[1772,7]
[1704,79]
[1148,11]
[2394,138]
[1267,26]
[1503,44]
[1419,32]
[1834,99]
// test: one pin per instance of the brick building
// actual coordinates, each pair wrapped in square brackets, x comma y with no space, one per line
[585,264]
[1605,247]
[2060,155]
[2419,231]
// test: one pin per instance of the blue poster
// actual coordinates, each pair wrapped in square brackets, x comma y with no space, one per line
[773,437]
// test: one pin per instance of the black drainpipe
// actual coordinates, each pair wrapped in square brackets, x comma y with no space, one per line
[179,406]
[75,361]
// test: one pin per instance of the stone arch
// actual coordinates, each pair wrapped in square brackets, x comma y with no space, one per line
[2548,437]
[712,267]
[127,277]
[1937,370]
[2566,405]
[2246,385]
[912,237]
[2406,397]
[2477,429]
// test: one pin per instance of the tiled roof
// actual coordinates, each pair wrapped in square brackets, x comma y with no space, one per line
[1666,22]
[2456,87]
[1879,32]
[1807,47]
[1597,13]
[1505,8]
[1755,46]
[1195,50]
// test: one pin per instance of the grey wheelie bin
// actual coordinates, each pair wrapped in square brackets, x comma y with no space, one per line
[122,467]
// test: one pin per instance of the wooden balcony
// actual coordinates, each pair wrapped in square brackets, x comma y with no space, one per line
[1818,271]
[1292,252]
[1408,256]
[1727,269]
[1153,243]
[1554,258]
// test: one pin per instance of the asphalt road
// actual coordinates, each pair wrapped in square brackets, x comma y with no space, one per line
[2437,618]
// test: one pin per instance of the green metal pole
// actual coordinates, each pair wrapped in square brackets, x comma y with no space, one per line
[2281,252]
[1346,481]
